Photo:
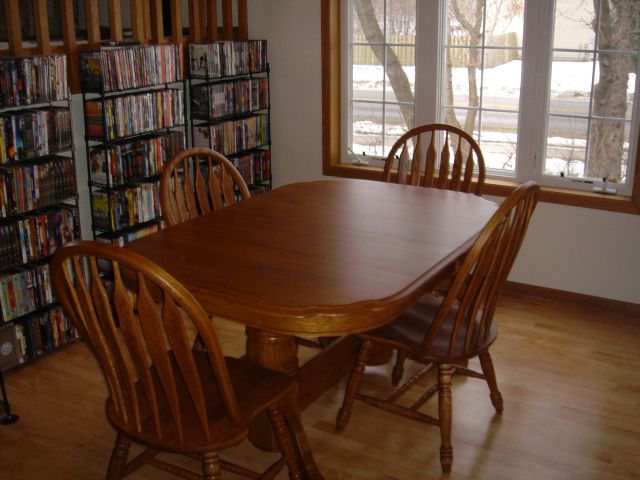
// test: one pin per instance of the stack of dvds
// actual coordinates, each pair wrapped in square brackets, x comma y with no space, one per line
[31,80]
[114,69]
[230,98]
[24,291]
[121,209]
[233,136]
[137,114]
[227,58]
[34,133]
[24,188]
[133,161]
[36,235]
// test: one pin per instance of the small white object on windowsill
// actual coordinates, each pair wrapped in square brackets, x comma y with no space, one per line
[605,188]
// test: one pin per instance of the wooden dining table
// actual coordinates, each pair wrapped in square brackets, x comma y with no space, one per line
[325,258]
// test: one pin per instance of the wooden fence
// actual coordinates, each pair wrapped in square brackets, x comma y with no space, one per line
[502,49]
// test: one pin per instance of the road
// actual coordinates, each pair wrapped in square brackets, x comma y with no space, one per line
[502,120]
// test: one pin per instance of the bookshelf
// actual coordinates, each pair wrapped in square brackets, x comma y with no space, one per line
[133,98]
[38,204]
[230,106]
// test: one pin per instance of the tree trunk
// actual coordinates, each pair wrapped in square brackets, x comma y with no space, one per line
[610,93]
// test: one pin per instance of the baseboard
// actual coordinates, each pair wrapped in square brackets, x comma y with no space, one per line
[617,306]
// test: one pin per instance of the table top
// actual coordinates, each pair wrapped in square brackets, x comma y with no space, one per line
[329,257]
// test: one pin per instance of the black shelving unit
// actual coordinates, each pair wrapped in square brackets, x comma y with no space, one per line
[230,108]
[38,206]
[133,99]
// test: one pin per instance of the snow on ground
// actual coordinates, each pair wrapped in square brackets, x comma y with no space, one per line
[569,79]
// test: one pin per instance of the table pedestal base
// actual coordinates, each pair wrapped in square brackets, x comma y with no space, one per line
[280,352]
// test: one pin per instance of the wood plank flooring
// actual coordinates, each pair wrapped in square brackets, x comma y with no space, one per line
[569,375]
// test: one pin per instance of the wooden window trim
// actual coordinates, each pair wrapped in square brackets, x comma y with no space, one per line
[331,136]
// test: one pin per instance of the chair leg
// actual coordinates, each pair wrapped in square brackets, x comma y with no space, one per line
[119,455]
[355,380]
[490,375]
[211,466]
[284,442]
[398,368]
[445,372]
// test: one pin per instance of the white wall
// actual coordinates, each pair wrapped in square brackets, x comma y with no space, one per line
[574,249]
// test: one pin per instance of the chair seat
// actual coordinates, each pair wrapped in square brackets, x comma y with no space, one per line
[407,333]
[253,386]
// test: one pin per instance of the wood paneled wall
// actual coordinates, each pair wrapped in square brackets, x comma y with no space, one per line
[146,18]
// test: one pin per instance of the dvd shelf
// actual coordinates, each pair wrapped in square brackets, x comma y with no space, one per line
[38,203]
[133,98]
[230,107]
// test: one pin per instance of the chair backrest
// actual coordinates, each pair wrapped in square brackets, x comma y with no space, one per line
[471,299]
[140,325]
[417,153]
[197,181]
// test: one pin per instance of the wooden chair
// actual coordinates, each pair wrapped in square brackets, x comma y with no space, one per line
[422,169]
[416,166]
[197,181]
[451,330]
[163,394]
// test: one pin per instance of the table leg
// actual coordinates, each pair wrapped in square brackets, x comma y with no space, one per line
[277,352]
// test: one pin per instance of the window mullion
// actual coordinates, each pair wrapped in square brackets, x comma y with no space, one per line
[430,32]
[534,99]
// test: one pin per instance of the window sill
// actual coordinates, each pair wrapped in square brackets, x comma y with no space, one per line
[502,188]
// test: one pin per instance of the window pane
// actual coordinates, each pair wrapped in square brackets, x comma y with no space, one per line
[598,88]
[383,73]
[498,140]
[401,69]
[483,77]
[367,20]
[608,149]
[616,73]
[394,127]
[570,87]
[501,80]
[572,29]
[566,146]
[465,23]
[367,133]
[367,74]
[401,17]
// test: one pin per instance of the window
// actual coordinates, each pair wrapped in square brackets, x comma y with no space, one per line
[548,88]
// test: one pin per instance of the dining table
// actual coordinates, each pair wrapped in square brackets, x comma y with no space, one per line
[326,258]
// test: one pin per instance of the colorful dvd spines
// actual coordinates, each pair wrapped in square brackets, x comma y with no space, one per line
[234,136]
[230,98]
[119,209]
[32,80]
[254,167]
[124,238]
[34,236]
[227,58]
[132,161]
[120,68]
[24,188]
[25,291]
[134,114]
[34,133]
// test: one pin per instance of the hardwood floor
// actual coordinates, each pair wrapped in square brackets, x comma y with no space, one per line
[568,375]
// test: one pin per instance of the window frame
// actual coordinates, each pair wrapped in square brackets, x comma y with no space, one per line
[332,132]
